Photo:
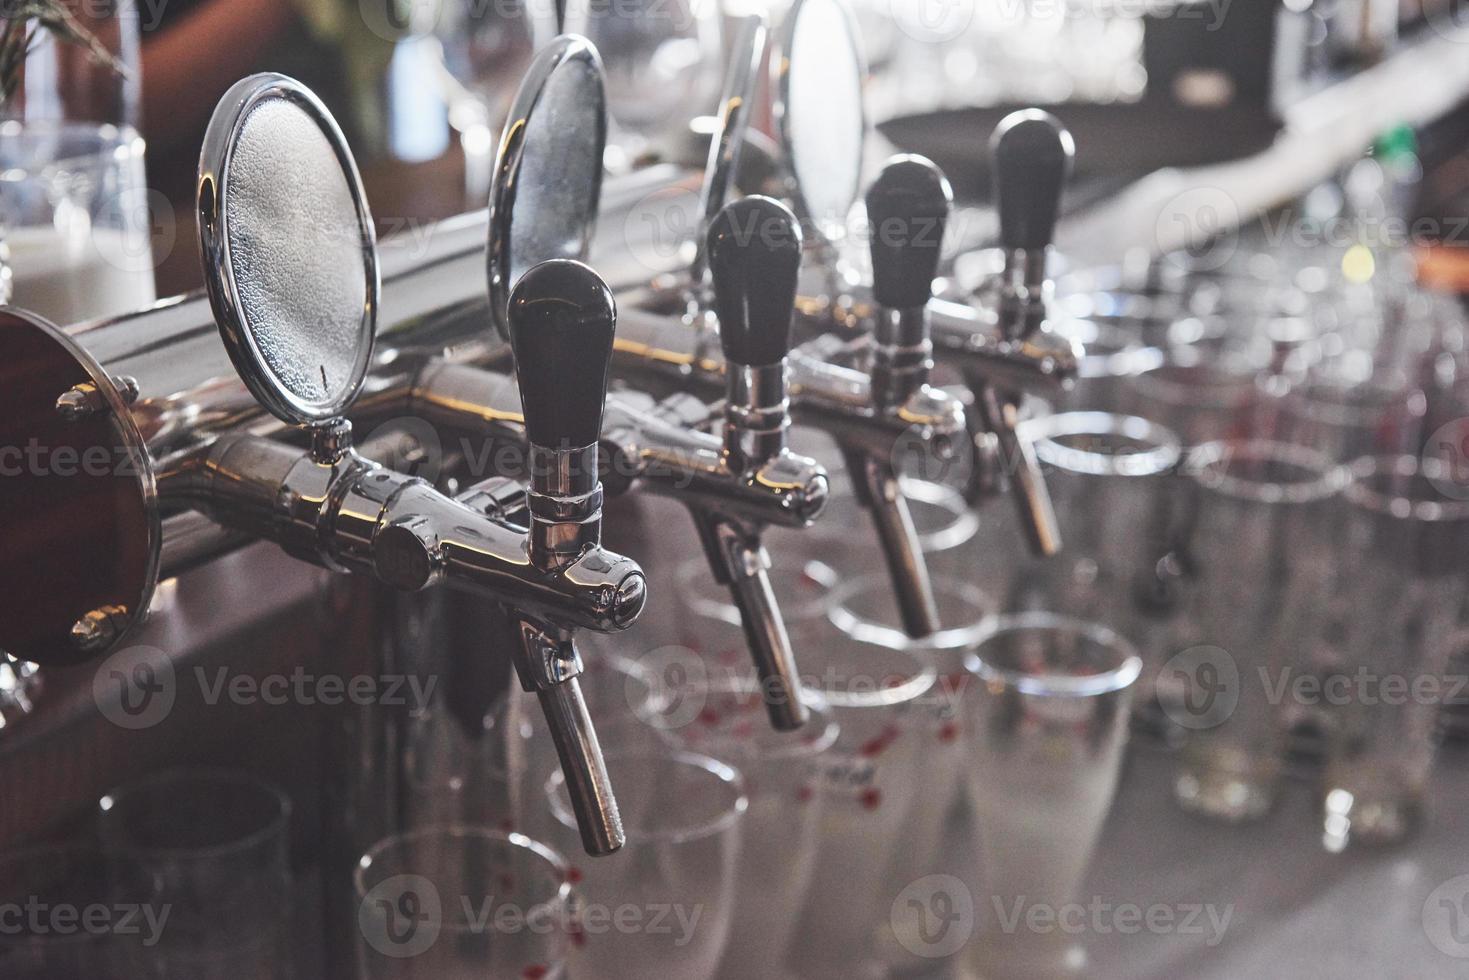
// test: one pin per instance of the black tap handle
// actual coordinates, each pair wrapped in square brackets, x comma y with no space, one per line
[754,250]
[1032,154]
[562,318]
[907,211]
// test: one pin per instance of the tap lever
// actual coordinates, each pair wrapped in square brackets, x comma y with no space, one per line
[907,212]
[562,318]
[1032,154]
[754,249]
[755,256]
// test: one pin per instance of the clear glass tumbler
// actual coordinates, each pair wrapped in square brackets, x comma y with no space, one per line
[778,854]
[663,905]
[1048,723]
[1404,542]
[454,903]
[517,754]
[1347,417]
[863,609]
[1254,537]
[76,221]
[868,782]
[1113,479]
[1201,399]
[212,847]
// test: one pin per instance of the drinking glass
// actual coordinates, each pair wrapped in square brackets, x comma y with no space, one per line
[1349,417]
[663,905]
[1113,358]
[778,852]
[59,941]
[212,847]
[868,781]
[76,219]
[452,903]
[1201,399]
[1254,537]
[1047,728]
[662,62]
[1112,479]
[519,753]
[1404,540]
[864,610]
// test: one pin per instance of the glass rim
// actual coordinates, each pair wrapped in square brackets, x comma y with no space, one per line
[960,530]
[862,629]
[1115,678]
[911,686]
[278,823]
[789,746]
[722,771]
[513,840]
[1045,431]
[1327,478]
[1397,505]
[1110,351]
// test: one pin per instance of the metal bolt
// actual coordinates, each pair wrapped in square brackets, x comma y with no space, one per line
[127,387]
[79,402]
[99,628]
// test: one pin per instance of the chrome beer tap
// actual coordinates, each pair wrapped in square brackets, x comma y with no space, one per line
[907,211]
[657,346]
[997,363]
[291,267]
[1032,155]
[754,255]
[734,485]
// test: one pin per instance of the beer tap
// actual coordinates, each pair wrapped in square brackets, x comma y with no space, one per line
[870,427]
[754,255]
[291,267]
[734,485]
[907,211]
[1032,155]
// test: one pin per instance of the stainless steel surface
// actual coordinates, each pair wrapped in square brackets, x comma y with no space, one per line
[820,115]
[291,265]
[549,167]
[725,148]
